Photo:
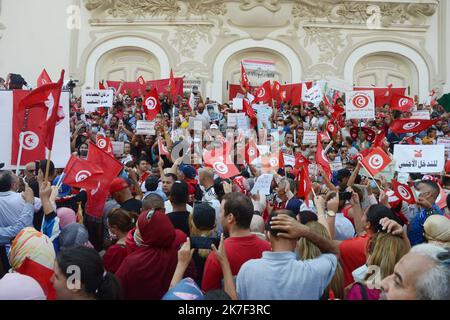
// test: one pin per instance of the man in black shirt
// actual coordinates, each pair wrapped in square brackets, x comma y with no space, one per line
[179,198]
[120,191]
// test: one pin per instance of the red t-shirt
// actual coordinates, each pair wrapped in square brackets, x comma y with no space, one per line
[239,250]
[113,257]
[353,256]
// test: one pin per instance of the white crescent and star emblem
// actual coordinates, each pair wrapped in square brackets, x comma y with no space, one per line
[151,103]
[30,140]
[262,93]
[101,143]
[82,175]
[411,125]
[404,193]
[376,161]
[220,167]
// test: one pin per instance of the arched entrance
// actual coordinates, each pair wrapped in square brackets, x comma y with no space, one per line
[395,51]
[137,43]
[232,68]
[283,53]
[380,69]
[127,63]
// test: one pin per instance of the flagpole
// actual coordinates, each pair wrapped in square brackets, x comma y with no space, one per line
[47,167]
[173,121]
[58,185]
[379,188]
[19,156]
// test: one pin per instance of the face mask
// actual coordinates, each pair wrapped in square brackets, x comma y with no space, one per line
[112,236]
[83,153]
[136,240]
[416,193]
[360,273]
[373,185]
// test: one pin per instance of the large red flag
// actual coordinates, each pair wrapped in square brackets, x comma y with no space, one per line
[304,185]
[263,93]
[33,133]
[248,110]
[172,86]
[220,160]
[97,197]
[403,191]
[141,81]
[376,161]
[291,92]
[82,174]
[46,96]
[251,152]
[411,125]
[401,103]
[152,105]
[244,79]
[160,85]
[321,158]
[44,78]
[383,95]
[104,143]
[276,91]
[101,86]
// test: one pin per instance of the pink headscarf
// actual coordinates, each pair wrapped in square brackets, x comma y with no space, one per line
[66,216]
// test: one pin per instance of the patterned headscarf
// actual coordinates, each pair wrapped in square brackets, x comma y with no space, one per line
[33,245]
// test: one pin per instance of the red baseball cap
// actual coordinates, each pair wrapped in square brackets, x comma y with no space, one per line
[117,185]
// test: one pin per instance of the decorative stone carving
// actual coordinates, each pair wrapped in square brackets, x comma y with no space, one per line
[271,5]
[356,12]
[328,40]
[187,38]
[162,8]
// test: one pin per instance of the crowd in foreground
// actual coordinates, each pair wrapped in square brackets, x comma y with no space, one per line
[173,229]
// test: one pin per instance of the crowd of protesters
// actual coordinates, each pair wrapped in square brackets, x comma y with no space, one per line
[351,238]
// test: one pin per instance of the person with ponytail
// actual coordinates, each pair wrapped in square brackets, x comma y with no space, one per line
[79,275]
[120,222]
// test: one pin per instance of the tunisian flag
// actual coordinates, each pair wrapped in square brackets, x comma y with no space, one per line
[151,105]
[33,133]
[321,158]
[304,185]
[46,96]
[383,95]
[276,91]
[376,161]
[220,160]
[411,125]
[82,174]
[247,108]
[244,78]
[44,78]
[96,198]
[291,92]
[105,144]
[251,152]
[403,191]
[401,103]
[172,85]
[263,93]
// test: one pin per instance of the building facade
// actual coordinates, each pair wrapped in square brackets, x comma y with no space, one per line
[360,42]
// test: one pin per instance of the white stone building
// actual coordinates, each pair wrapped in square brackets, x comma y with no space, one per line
[363,42]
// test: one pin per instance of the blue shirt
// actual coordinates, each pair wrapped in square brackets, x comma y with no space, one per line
[25,220]
[279,276]
[415,232]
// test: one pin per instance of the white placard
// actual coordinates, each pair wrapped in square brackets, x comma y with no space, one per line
[336,165]
[289,160]
[117,147]
[444,142]
[263,149]
[238,103]
[309,137]
[144,127]
[196,123]
[264,114]
[262,184]
[314,95]
[403,177]
[360,105]
[419,158]
[238,120]
[93,99]
[422,115]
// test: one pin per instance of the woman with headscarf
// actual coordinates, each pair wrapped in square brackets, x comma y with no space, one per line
[66,216]
[437,230]
[146,272]
[32,254]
